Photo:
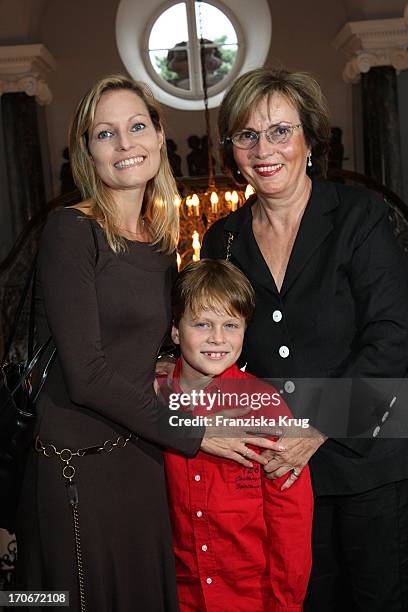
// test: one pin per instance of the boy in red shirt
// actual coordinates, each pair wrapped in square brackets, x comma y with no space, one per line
[241,541]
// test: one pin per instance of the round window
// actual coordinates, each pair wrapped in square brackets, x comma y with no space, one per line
[193,46]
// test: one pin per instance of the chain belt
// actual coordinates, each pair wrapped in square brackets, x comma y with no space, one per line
[68,472]
[66,454]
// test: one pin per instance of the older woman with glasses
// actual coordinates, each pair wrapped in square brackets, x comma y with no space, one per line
[331,305]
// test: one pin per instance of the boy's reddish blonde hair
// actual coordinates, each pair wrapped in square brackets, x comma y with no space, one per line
[212,284]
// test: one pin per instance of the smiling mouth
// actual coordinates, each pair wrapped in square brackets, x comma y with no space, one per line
[127,163]
[216,356]
[269,169]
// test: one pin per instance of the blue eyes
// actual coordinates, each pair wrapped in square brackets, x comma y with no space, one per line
[138,127]
[203,325]
[104,134]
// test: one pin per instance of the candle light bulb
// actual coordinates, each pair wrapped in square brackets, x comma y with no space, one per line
[189,205]
[177,201]
[195,201]
[196,245]
[178,261]
[227,196]
[196,240]
[214,202]
[234,200]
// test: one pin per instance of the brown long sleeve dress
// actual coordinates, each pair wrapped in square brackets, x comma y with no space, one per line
[107,314]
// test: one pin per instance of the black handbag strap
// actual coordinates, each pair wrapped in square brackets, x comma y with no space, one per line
[31,365]
[44,375]
[95,239]
[31,320]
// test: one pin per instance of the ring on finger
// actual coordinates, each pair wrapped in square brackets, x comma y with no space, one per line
[295,473]
[244,454]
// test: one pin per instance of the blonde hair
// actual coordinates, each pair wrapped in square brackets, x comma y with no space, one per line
[299,88]
[212,284]
[158,207]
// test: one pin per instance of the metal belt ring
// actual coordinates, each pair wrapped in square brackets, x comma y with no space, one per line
[108,446]
[66,455]
[68,472]
[49,450]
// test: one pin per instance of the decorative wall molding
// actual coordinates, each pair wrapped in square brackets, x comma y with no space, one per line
[25,68]
[366,44]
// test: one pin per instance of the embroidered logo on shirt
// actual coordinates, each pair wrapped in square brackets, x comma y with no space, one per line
[248,478]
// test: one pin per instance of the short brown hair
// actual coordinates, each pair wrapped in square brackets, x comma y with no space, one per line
[158,204]
[212,284]
[299,88]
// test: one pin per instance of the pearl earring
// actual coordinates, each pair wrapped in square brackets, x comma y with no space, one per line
[238,171]
[309,160]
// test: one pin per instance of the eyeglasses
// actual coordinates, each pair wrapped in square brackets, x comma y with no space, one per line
[279,133]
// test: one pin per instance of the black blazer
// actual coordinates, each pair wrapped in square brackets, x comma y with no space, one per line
[342,315]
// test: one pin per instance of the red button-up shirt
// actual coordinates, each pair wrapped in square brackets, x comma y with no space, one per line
[241,544]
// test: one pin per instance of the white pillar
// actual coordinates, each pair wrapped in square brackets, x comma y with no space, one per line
[24,68]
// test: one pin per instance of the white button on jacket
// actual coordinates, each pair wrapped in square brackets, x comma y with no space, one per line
[284,351]
[277,316]
[289,386]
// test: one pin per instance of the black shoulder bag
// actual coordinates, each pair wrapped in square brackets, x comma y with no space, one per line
[17,408]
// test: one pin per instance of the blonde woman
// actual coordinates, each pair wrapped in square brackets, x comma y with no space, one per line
[93,516]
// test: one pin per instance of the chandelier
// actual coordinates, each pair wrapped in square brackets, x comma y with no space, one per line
[199,209]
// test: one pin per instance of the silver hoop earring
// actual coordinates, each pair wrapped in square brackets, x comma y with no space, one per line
[309,160]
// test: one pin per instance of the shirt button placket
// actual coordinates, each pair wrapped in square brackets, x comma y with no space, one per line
[202,540]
